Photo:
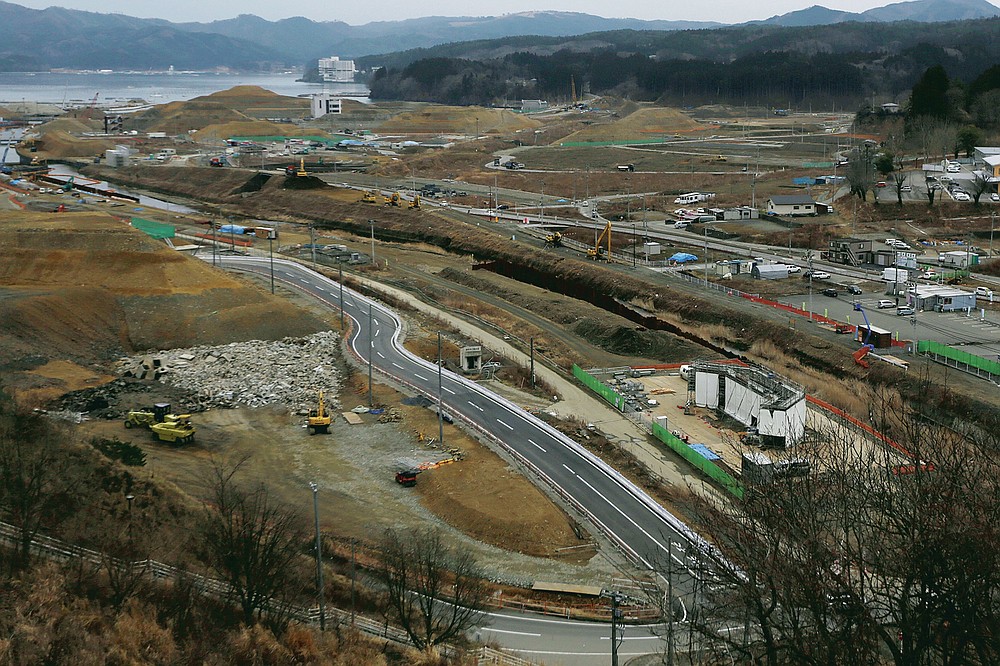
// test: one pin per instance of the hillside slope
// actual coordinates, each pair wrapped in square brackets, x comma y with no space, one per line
[86,288]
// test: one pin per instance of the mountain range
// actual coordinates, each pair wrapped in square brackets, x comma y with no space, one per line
[64,38]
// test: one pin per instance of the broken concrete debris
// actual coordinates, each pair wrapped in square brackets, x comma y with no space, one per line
[288,373]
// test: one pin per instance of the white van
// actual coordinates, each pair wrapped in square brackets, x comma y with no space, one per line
[680,224]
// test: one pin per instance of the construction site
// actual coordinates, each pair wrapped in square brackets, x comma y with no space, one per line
[126,316]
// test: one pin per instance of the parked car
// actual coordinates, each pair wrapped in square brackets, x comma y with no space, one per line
[995,197]
[962,196]
[906,188]
[830,292]
[794,269]
[885,303]
[984,292]
[905,311]
[820,275]
[854,289]
[880,183]
[928,275]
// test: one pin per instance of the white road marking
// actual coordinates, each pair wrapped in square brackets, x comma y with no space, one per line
[629,519]
[420,377]
[445,388]
[380,354]
[475,405]
[633,638]
[303,281]
[377,331]
[536,446]
[504,631]
[397,365]
[573,473]
[509,427]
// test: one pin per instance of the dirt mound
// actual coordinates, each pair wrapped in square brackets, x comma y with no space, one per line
[250,127]
[88,288]
[181,117]
[56,143]
[645,123]
[434,119]
[241,93]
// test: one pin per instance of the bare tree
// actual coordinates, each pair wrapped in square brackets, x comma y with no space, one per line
[982,183]
[30,473]
[250,541]
[879,556]
[434,592]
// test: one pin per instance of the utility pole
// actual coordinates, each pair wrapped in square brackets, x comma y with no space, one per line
[670,603]
[993,218]
[270,251]
[319,557]
[340,281]
[706,255]
[532,343]
[215,241]
[354,574]
[440,405]
[633,245]
[616,614]
[372,224]
[312,244]
[371,343]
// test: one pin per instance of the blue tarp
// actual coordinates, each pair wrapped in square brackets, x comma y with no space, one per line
[232,229]
[706,452]
[683,257]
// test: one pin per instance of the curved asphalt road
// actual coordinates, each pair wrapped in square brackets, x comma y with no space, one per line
[642,530]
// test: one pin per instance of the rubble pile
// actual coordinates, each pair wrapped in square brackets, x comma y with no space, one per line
[288,372]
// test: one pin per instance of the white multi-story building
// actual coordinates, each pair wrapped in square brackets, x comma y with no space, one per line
[323,104]
[336,70]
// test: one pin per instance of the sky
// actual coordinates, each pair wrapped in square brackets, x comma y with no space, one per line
[722,11]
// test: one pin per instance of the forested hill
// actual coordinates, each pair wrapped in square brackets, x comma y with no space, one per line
[759,64]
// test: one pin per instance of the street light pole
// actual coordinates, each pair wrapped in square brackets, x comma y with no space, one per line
[319,557]
[371,343]
[340,281]
[532,342]
[440,405]
[270,251]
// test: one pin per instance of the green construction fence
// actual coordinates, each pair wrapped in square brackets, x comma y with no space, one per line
[598,387]
[699,461]
[959,356]
[156,230]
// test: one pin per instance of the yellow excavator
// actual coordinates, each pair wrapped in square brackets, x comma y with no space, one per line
[415,203]
[598,251]
[369,197]
[319,419]
[554,239]
[392,200]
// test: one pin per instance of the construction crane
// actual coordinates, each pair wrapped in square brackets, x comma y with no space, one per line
[90,107]
[598,251]
[3,161]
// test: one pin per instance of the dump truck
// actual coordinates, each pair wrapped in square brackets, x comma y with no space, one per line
[407,477]
[319,419]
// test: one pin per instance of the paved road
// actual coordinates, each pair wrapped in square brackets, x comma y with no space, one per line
[644,531]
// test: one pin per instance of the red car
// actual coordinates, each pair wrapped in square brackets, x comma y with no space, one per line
[880,183]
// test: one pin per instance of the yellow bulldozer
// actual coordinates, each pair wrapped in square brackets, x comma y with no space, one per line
[369,197]
[319,419]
